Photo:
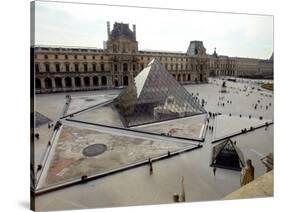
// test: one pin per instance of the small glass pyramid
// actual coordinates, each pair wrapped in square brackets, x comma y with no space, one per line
[155,96]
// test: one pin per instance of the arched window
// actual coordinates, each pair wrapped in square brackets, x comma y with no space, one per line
[102,67]
[87,81]
[77,82]
[85,67]
[67,81]
[179,77]
[103,80]
[114,48]
[94,66]
[95,81]
[48,83]
[47,67]
[183,77]
[125,67]
[125,80]
[188,77]
[58,82]
[67,67]
[115,67]
[57,67]
[37,68]
[37,83]
[76,67]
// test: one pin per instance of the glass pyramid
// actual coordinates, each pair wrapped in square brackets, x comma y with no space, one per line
[155,96]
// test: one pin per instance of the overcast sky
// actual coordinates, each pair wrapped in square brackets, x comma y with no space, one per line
[85,25]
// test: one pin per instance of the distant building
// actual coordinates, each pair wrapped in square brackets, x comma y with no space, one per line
[73,68]
[239,66]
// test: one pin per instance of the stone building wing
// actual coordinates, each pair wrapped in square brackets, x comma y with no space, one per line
[155,96]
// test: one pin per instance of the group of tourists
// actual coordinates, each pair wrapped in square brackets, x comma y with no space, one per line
[221,98]
[261,106]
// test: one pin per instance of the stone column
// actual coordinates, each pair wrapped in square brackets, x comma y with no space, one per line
[109,81]
[99,77]
[63,82]
[42,84]
[72,82]
[53,83]
[121,80]
[82,82]
[91,81]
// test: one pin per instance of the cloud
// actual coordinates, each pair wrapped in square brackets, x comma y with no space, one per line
[85,25]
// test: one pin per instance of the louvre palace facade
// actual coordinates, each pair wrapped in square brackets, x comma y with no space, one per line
[58,69]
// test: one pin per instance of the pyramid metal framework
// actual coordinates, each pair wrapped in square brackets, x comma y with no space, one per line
[227,155]
[155,96]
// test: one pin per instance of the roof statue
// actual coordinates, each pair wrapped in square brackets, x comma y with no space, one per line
[155,96]
[227,155]
[215,53]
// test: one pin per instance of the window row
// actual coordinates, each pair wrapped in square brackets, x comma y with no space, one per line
[167,58]
[187,77]
[125,67]
[87,81]
[57,67]
[93,57]
[68,82]
[74,56]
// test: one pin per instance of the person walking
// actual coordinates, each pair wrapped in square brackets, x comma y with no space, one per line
[150,167]
[183,190]
[214,170]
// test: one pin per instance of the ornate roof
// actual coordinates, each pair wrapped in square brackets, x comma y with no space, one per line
[122,30]
[196,48]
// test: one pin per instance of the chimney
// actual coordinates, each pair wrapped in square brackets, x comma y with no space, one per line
[108,29]
[134,30]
